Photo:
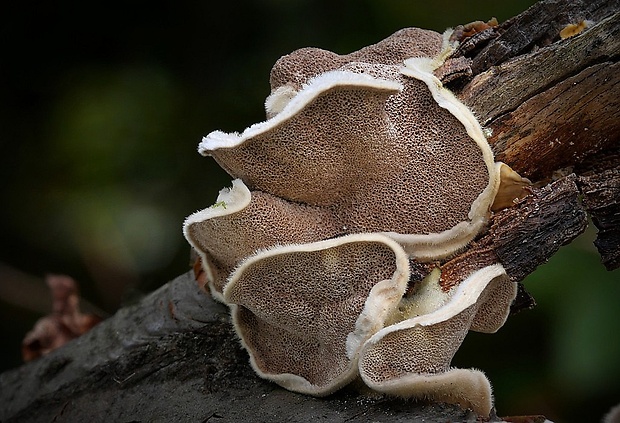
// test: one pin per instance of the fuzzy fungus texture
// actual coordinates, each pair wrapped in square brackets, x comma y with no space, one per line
[399,359]
[373,145]
[316,325]
[364,164]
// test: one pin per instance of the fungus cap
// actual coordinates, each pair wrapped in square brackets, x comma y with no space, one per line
[303,311]
[297,68]
[242,222]
[412,358]
[375,143]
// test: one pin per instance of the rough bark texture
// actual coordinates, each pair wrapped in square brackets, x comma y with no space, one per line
[600,187]
[526,235]
[552,106]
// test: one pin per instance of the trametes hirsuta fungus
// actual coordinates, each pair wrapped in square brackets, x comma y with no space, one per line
[412,356]
[316,319]
[365,163]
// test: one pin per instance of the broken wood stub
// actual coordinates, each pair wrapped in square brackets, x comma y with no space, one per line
[526,235]
[600,187]
[552,108]
[522,235]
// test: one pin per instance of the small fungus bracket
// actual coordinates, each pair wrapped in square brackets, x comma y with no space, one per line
[305,335]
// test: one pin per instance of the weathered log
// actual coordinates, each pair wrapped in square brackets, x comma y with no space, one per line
[552,107]
[173,357]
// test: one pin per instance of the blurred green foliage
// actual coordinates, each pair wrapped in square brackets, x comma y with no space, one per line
[102,106]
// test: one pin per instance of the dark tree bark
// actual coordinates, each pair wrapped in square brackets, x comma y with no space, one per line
[552,106]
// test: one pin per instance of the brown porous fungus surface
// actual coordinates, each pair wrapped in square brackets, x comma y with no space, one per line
[365,161]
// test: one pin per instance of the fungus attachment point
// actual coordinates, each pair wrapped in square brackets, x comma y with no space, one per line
[512,188]
[412,358]
[303,311]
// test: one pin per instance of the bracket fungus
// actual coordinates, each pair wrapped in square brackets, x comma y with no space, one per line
[366,163]
[323,302]
[412,357]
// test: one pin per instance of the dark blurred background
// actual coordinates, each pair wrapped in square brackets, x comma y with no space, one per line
[102,107]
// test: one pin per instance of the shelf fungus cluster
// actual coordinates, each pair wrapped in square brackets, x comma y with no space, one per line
[365,166]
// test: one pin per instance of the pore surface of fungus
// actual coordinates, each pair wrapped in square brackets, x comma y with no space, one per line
[373,143]
[399,359]
[242,222]
[304,322]
[364,164]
